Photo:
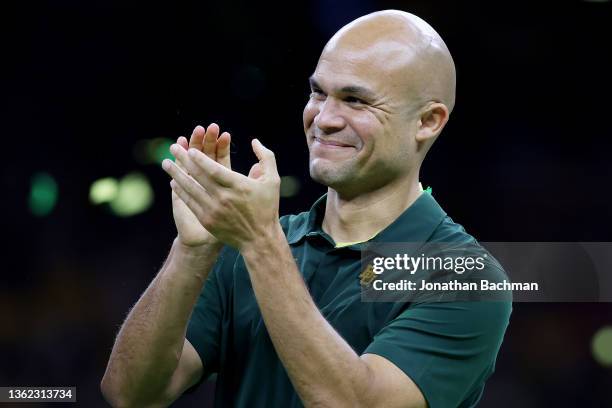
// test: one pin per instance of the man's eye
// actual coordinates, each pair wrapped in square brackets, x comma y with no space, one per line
[352,99]
[317,93]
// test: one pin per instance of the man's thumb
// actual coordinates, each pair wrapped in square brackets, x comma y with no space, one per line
[265,156]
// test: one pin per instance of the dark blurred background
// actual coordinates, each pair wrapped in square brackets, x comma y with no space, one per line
[94,92]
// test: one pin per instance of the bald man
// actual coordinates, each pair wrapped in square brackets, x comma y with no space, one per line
[273,306]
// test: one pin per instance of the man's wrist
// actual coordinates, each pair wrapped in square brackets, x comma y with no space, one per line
[262,243]
[195,257]
[197,251]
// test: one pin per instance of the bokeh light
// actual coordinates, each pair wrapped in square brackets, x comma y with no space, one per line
[152,151]
[289,187]
[601,346]
[43,194]
[103,190]
[134,195]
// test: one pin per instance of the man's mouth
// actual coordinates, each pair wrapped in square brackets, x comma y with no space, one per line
[331,143]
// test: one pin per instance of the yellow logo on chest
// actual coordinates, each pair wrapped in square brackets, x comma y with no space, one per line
[367,276]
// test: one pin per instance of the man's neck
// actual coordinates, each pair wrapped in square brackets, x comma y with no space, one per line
[361,217]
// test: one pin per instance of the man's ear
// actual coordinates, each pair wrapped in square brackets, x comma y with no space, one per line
[432,121]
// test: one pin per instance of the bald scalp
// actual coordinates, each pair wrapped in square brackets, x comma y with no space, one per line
[426,62]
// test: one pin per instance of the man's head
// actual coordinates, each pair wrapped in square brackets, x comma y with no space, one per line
[382,91]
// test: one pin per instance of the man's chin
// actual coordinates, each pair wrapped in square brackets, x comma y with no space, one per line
[329,177]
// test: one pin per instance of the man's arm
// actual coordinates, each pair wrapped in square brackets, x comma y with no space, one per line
[243,212]
[152,363]
[324,369]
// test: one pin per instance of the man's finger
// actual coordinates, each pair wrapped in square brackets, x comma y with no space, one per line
[190,167]
[265,156]
[182,141]
[180,194]
[187,183]
[209,145]
[197,137]
[255,171]
[223,150]
[213,171]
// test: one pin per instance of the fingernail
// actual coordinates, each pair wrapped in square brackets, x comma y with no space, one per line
[192,152]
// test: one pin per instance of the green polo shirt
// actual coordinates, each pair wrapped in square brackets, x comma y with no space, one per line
[448,349]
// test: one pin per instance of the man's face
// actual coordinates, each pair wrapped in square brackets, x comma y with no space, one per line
[359,120]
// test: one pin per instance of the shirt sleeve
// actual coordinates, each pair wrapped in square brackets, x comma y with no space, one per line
[447,349]
[204,330]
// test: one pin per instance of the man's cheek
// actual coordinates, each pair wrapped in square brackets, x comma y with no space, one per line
[309,114]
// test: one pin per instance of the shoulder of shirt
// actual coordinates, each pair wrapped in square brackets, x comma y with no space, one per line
[452,232]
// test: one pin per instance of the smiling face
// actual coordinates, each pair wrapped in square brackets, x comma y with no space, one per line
[365,106]
[357,120]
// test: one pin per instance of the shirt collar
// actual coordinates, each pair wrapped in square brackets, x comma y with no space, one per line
[416,224]
[312,224]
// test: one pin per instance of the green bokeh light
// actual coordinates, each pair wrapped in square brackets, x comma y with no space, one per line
[134,195]
[601,346]
[153,151]
[43,194]
[103,190]
[289,187]
[161,150]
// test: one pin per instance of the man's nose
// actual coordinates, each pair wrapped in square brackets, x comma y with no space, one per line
[329,119]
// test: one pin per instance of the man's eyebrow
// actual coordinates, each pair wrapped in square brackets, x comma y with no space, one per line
[354,90]
[359,91]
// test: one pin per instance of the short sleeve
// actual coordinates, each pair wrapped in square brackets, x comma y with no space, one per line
[204,329]
[447,349]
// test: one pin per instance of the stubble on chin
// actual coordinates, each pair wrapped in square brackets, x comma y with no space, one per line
[330,175]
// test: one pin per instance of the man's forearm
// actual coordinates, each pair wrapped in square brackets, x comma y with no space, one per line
[322,366]
[150,342]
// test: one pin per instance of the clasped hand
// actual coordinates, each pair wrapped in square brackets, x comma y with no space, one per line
[235,209]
